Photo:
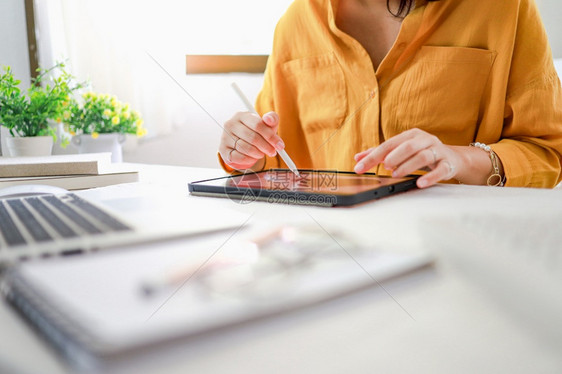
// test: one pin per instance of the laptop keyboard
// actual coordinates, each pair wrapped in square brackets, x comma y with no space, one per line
[28,220]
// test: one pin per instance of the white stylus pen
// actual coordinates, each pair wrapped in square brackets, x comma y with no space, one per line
[251,108]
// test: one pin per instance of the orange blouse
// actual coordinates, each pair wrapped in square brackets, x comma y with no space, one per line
[463,70]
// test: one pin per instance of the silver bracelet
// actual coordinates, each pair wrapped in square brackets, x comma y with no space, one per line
[495,179]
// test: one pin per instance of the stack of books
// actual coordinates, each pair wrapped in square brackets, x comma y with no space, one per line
[71,172]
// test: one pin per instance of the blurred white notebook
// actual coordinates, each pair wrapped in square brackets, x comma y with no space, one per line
[94,309]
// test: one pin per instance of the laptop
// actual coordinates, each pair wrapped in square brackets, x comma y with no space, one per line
[65,224]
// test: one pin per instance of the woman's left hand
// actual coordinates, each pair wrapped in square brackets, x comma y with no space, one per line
[409,151]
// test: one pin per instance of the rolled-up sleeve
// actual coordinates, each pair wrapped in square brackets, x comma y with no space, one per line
[531,144]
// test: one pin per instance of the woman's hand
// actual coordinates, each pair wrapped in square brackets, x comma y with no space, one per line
[414,150]
[247,138]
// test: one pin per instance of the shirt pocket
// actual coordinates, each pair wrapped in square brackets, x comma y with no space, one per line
[441,92]
[317,89]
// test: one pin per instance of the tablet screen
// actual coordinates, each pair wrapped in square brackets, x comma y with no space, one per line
[320,182]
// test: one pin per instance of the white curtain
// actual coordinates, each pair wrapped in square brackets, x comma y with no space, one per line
[102,42]
[110,43]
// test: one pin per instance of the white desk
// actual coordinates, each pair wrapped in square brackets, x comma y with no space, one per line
[457,327]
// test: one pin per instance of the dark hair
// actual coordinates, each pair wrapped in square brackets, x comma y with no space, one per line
[403,8]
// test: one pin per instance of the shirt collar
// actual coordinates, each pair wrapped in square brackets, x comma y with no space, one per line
[332,14]
[334,6]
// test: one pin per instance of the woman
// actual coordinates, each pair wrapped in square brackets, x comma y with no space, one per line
[464,89]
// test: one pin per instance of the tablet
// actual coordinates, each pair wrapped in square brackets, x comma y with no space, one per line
[313,187]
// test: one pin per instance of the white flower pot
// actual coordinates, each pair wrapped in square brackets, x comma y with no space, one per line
[30,146]
[103,143]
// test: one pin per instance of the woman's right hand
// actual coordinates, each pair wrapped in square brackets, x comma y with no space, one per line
[247,138]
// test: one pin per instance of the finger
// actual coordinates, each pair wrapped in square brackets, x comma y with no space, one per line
[359,156]
[410,149]
[367,162]
[271,119]
[237,160]
[241,161]
[253,142]
[249,150]
[229,142]
[256,124]
[416,162]
[443,171]
[369,158]
[247,126]
[411,138]
[376,155]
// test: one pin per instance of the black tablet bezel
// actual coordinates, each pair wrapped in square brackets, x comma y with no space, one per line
[200,188]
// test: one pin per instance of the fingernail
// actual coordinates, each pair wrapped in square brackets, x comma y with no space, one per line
[422,183]
[273,154]
[267,119]
[280,145]
[359,167]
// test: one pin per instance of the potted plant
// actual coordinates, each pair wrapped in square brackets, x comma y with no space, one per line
[99,123]
[26,114]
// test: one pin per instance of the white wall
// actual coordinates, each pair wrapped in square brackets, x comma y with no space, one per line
[551,12]
[13,41]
